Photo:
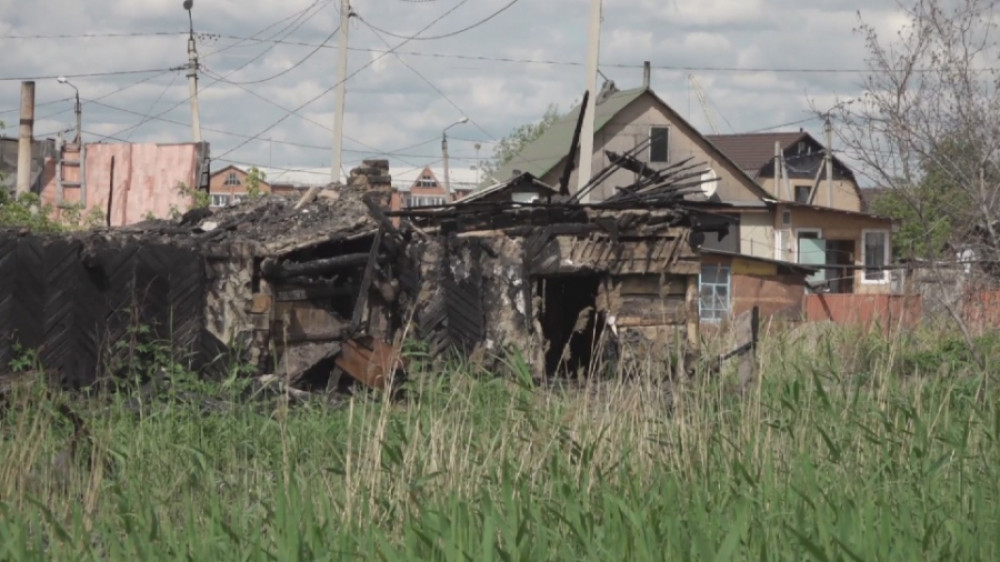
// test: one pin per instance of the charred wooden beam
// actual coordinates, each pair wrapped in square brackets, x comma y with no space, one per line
[366,281]
[283,270]
[573,148]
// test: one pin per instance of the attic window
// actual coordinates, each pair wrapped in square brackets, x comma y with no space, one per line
[426,182]
[232,179]
[802,193]
[658,144]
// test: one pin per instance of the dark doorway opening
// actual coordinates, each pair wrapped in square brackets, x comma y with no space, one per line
[569,322]
[840,253]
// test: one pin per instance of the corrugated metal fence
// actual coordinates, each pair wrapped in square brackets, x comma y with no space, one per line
[71,300]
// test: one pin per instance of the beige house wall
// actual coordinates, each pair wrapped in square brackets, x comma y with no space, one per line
[846,196]
[757,233]
[837,226]
[630,127]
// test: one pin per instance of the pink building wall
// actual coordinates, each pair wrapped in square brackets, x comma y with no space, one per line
[144,179]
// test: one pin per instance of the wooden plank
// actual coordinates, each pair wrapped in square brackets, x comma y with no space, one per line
[366,281]
[653,310]
[302,321]
[652,284]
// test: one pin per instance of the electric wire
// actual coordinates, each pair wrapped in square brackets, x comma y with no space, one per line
[331,88]
[297,64]
[152,106]
[111,34]
[431,84]
[417,37]
[297,22]
[83,75]
[307,119]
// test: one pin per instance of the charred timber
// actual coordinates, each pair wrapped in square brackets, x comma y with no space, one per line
[284,270]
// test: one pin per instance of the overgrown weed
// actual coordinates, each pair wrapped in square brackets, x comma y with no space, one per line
[850,446]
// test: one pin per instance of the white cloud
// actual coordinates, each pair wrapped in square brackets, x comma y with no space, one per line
[498,74]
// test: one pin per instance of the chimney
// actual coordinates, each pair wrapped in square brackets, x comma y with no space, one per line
[646,72]
[26,133]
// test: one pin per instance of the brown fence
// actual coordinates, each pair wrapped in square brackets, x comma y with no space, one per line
[888,311]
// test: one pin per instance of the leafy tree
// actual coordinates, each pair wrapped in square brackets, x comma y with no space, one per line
[512,144]
[928,127]
[255,177]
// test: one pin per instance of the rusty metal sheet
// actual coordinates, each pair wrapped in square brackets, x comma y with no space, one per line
[369,361]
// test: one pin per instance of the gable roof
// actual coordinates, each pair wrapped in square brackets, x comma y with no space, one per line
[544,153]
[228,168]
[751,151]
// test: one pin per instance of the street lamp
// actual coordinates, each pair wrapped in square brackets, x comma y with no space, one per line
[76,108]
[444,153]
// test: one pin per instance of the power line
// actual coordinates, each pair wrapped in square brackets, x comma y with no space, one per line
[431,84]
[295,17]
[156,101]
[102,96]
[396,153]
[331,88]
[667,67]
[444,35]
[97,35]
[83,75]
[305,118]
[291,27]
[299,63]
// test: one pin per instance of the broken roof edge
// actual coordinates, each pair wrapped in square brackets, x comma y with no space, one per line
[820,208]
[523,177]
[801,268]
[623,99]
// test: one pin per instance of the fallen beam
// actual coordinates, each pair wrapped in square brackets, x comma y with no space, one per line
[274,268]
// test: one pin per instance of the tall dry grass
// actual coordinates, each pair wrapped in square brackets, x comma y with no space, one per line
[849,447]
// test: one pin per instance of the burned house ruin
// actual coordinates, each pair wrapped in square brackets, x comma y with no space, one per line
[337,285]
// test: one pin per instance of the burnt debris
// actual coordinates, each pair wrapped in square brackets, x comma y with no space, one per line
[334,287]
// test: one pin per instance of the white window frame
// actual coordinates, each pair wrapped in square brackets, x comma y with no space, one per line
[650,149]
[220,200]
[232,179]
[781,242]
[885,278]
[728,311]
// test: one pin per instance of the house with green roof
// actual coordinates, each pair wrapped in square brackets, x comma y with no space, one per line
[848,249]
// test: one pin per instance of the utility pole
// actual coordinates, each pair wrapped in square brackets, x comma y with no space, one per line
[779,190]
[587,133]
[338,125]
[828,129]
[193,75]
[25,136]
[444,156]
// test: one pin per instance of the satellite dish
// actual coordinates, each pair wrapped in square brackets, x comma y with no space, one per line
[709,183]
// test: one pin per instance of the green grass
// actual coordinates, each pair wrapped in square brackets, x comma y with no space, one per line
[855,448]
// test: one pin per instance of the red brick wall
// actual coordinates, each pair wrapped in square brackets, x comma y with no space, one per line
[772,293]
[981,310]
[888,311]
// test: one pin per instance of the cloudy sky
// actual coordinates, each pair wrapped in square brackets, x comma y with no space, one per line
[269,68]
